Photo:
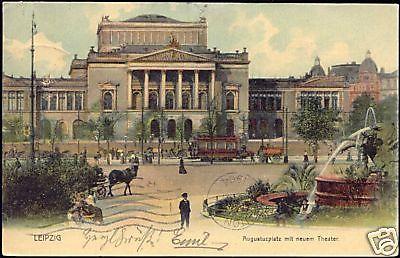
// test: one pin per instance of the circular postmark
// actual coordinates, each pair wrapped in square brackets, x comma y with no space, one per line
[225,191]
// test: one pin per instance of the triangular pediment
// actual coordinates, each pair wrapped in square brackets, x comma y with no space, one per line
[172,55]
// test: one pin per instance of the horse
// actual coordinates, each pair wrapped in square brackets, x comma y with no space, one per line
[121,176]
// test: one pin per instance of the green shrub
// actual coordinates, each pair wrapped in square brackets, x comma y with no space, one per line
[257,189]
[48,188]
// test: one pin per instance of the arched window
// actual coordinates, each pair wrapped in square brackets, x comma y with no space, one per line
[153,100]
[185,100]
[107,101]
[136,100]
[230,127]
[278,128]
[60,130]
[203,100]
[171,129]
[252,128]
[263,133]
[155,128]
[169,100]
[188,129]
[230,101]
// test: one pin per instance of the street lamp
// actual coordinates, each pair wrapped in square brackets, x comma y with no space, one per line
[286,157]
[125,153]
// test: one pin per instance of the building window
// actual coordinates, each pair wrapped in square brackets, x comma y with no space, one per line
[270,103]
[78,101]
[11,101]
[334,102]
[171,129]
[153,100]
[135,100]
[169,100]
[185,100]
[278,100]
[278,127]
[53,101]
[44,102]
[187,129]
[203,100]
[230,101]
[20,100]
[107,101]
[155,128]
[230,127]
[5,104]
[70,100]
[326,102]
[61,101]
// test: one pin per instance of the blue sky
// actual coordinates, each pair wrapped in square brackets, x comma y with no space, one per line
[282,39]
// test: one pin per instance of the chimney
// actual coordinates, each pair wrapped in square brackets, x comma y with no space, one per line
[244,49]
[75,56]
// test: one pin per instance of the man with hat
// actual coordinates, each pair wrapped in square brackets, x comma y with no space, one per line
[184,207]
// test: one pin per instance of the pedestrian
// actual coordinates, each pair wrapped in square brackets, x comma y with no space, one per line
[182,169]
[305,159]
[282,212]
[302,216]
[184,208]
[113,153]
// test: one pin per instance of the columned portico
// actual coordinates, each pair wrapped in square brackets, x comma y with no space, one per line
[195,94]
[146,89]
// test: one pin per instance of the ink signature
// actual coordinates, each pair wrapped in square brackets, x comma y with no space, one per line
[119,236]
[200,242]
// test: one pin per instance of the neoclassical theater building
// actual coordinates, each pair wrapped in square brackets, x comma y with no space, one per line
[149,61]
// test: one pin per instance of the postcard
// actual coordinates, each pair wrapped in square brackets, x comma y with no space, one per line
[199,129]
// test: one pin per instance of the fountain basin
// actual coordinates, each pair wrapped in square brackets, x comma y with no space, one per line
[333,191]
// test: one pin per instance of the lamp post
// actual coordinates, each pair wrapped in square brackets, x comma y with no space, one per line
[32,138]
[286,157]
[125,153]
[142,122]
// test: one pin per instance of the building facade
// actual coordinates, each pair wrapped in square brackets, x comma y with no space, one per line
[151,62]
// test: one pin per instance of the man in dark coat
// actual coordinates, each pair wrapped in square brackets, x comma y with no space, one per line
[182,169]
[184,207]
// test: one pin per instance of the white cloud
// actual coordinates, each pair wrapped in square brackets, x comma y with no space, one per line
[338,53]
[257,32]
[114,10]
[50,57]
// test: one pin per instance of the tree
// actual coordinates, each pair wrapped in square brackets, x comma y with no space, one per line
[314,123]
[13,129]
[387,110]
[357,115]
[103,127]
[211,124]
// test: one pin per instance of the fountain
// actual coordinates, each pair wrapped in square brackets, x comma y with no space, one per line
[358,186]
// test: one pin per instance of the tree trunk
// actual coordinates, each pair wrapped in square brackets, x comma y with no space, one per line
[315,152]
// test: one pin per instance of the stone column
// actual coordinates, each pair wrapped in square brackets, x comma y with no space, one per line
[179,91]
[129,89]
[146,89]
[196,90]
[73,100]
[211,87]
[162,89]
[57,108]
